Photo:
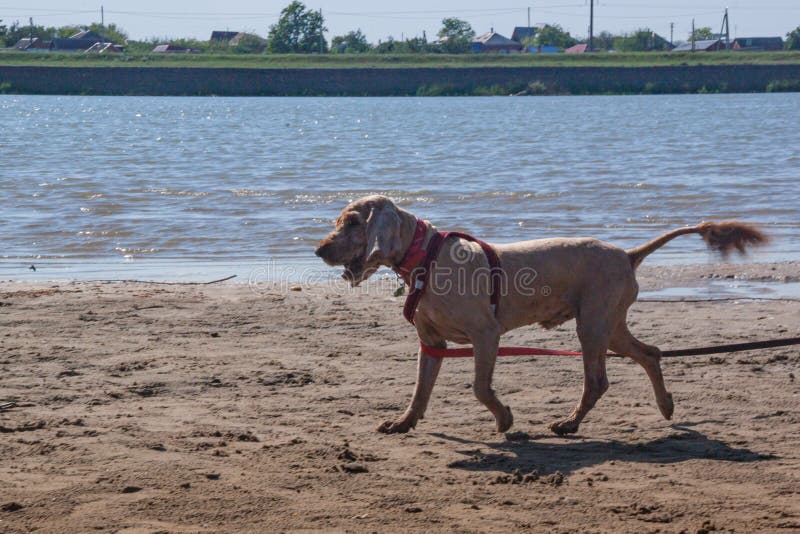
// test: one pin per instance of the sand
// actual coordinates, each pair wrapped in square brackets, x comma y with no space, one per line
[154,408]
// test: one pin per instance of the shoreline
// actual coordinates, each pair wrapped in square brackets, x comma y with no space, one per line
[745,280]
[749,268]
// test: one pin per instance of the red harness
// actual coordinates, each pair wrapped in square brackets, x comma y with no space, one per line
[418,264]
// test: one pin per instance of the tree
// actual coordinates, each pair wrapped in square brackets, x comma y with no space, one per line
[554,36]
[641,40]
[111,32]
[249,44]
[15,32]
[353,42]
[793,39]
[389,46]
[64,32]
[528,42]
[702,34]
[604,40]
[456,36]
[298,30]
[416,45]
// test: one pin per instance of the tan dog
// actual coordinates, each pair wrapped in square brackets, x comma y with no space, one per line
[548,281]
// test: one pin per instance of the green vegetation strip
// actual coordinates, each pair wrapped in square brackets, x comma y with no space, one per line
[340,61]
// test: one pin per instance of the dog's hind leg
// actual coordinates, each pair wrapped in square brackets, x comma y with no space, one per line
[593,333]
[485,347]
[649,357]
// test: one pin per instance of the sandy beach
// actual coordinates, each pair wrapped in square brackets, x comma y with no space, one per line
[136,407]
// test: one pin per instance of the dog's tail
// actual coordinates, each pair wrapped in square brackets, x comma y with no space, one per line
[721,237]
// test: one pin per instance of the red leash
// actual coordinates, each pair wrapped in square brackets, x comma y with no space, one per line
[466,352]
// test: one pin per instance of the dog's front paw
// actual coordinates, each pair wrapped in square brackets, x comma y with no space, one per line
[396,427]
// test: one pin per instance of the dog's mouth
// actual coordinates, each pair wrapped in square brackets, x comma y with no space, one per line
[354,270]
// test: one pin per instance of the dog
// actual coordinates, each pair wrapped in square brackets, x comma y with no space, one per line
[554,280]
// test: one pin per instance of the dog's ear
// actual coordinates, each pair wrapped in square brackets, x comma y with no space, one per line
[383,234]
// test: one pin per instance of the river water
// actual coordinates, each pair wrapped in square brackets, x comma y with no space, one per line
[191,188]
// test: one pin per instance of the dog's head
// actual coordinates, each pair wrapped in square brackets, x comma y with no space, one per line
[366,235]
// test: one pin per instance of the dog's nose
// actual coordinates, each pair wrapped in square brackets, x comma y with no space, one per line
[321,250]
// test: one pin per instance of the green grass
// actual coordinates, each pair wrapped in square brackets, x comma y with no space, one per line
[277,61]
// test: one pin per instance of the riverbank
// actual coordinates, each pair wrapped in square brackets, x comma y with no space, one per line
[206,408]
[501,79]
[388,61]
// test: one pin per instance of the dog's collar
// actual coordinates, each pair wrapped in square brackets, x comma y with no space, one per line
[415,254]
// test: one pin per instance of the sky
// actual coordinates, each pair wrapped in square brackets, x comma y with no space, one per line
[143,19]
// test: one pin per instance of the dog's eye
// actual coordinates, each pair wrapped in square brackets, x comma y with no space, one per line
[353,221]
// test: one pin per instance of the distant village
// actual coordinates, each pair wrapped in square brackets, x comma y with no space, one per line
[300,30]
[492,42]
[495,43]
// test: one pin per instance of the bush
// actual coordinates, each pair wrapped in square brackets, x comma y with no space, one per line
[536,88]
[783,86]
[493,90]
[435,90]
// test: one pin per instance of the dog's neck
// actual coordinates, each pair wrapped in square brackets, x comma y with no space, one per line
[415,234]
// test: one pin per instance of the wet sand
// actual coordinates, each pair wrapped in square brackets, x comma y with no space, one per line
[136,407]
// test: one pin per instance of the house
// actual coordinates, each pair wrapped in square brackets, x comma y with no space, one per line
[83,41]
[577,49]
[71,45]
[173,49]
[709,45]
[222,37]
[29,44]
[757,44]
[80,42]
[104,48]
[494,43]
[660,43]
[521,33]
